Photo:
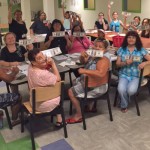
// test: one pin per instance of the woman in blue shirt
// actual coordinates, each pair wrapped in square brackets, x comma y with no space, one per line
[130,60]
[114,22]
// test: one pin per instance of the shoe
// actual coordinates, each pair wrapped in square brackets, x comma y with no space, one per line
[72,120]
[124,110]
[59,124]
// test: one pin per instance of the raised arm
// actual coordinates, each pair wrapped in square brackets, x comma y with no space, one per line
[9,12]
[63,10]
[109,18]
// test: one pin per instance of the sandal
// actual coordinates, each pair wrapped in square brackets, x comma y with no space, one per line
[72,120]
[124,110]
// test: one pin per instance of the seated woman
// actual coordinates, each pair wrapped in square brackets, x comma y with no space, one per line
[79,44]
[39,76]
[130,57]
[97,71]
[62,42]
[146,23]
[10,99]
[101,34]
[12,52]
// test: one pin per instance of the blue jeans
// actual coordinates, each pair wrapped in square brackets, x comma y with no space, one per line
[127,88]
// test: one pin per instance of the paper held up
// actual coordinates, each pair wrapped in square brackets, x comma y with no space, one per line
[95,53]
[25,42]
[58,34]
[78,34]
[52,52]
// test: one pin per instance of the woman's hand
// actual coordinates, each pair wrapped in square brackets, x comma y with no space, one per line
[15,63]
[50,61]
[82,71]
[51,38]
[142,65]
[30,47]
[129,61]
[84,57]
[109,6]
[66,37]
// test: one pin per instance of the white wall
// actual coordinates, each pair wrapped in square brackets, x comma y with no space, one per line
[89,16]
[4,12]
[50,11]
[36,5]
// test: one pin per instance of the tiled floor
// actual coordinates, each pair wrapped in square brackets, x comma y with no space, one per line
[127,132]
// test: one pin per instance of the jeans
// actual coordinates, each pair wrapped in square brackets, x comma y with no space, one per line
[127,88]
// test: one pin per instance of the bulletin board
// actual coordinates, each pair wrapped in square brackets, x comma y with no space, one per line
[131,6]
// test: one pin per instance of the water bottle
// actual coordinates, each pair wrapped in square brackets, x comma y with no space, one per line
[1,119]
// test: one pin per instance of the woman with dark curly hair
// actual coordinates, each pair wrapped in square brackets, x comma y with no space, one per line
[62,42]
[130,60]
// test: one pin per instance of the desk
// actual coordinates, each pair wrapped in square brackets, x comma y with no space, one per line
[109,35]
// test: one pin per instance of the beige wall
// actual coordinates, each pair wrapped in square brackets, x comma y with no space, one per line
[89,16]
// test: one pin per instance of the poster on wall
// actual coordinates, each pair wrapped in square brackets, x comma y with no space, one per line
[15,2]
[16,5]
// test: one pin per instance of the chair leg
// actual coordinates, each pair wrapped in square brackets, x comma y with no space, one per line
[137,106]
[70,78]
[70,110]
[22,119]
[109,108]
[116,98]
[8,117]
[7,86]
[148,85]
[31,120]
[64,123]
[52,118]
[82,112]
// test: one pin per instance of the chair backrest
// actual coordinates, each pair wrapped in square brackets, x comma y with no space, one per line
[146,70]
[47,93]
[41,94]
